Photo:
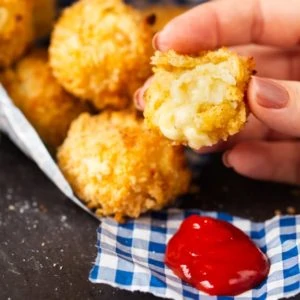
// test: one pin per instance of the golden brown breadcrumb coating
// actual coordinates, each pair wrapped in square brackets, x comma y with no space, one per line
[159,15]
[44,12]
[43,101]
[100,51]
[198,100]
[119,168]
[16,30]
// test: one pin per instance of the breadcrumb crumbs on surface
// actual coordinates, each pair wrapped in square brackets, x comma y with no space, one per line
[291,210]
[198,100]
[100,52]
[119,168]
[277,212]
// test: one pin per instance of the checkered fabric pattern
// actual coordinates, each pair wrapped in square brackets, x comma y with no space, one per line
[131,255]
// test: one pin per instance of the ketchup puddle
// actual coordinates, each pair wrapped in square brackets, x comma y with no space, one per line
[216,257]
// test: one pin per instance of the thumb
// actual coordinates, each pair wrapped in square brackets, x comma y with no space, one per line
[276,103]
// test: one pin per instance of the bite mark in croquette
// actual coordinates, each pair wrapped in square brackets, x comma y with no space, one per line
[119,168]
[198,100]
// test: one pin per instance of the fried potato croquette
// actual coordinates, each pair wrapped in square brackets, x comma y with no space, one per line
[16,29]
[100,51]
[43,101]
[119,168]
[198,101]
[159,15]
[44,12]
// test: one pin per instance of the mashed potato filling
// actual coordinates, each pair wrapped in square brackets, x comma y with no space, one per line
[197,100]
[206,84]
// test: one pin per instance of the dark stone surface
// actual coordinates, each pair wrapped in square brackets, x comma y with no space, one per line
[47,244]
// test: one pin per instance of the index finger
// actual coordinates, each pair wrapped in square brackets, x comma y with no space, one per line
[232,22]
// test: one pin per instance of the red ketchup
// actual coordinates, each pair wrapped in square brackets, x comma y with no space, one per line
[216,257]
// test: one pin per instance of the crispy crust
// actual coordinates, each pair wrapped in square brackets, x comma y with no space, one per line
[209,122]
[119,168]
[43,101]
[16,30]
[100,51]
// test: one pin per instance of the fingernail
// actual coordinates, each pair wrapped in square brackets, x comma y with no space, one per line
[136,99]
[269,93]
[155,41]
[159,41]
[226,160]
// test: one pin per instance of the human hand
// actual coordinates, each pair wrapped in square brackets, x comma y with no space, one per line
[268,148]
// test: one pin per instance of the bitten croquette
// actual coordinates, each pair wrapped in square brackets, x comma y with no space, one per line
[198,100]
[100,51]
[16,30]
[48,107]
[119,168]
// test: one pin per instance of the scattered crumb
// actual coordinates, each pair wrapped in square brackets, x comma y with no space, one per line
[23,208]
[291,210]
[11,207]
[61,267]
[277,212]
[225,189]
[43,244]
[220,206]
[9,193]
[194,189]
[43,208]
[63,218]
[54,265]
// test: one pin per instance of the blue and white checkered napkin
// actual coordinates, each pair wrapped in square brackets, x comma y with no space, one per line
[131,255]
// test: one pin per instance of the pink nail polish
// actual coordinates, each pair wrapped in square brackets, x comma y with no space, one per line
[225,159]
[155,41]
[136,97]
[270,94]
